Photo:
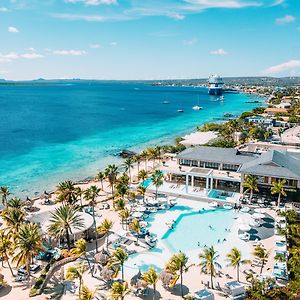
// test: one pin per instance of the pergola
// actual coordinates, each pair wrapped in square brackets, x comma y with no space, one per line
[202,173]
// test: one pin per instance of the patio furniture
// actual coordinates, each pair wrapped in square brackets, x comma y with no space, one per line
[204,295]
[236,290]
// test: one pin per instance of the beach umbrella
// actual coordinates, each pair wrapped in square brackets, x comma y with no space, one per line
[141,208]
[107,273]
[258,216]
[259,210]
[137,214]
[165,277]
[141,284]
[102,257]
[244,227]
[135,278]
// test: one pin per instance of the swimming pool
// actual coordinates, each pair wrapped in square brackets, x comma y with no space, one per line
[221,195]
[146,183]
[199,229]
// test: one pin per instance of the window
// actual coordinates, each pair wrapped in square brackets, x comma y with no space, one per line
[212,165]
[230,167]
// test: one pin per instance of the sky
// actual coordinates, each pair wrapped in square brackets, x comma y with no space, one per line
[148,39]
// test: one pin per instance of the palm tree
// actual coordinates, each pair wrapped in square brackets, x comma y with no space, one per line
[157,180]
[235,260]
[28,244]
[105,228]
[66,192]
[119,290]
[91,195]
[144,155]
[78,193]
[100,177]
[76,272]
[81,250]
[278,188]
[128,164]
[177,265]
[4,192]
[158,152]
[13,218]
[119,204]
[119,256]
[137,158]
[6,249]
[87,294]
[208,262]
[122,189]
[152,155]
[62,220]
[151,277]
[142,191]
[262,255]
[251,185]
[111,172]
[16,203]
[136,227]
[124,214]
[142,175]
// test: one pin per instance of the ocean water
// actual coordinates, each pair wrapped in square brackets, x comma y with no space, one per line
[54,131]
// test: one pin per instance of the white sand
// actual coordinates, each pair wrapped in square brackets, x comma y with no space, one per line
[198,138]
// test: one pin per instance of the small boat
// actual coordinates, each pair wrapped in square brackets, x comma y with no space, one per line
[180,110]
[150,240]
[166,102]
[227,206]
[196,107]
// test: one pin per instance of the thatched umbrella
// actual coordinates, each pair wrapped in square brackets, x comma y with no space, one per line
[165,277]
[134,280]
[107,273]
[102,257]
[141,284]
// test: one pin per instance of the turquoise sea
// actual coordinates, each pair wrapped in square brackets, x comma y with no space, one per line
[52,131]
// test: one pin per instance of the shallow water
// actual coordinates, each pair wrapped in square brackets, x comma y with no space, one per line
[56,131]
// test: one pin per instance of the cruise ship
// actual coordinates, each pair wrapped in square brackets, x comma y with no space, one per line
[215,85]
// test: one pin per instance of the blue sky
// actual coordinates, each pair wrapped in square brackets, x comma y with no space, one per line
[148,39]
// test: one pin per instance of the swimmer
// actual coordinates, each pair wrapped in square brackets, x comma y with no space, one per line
[198,244]
[224,240]
[218,240]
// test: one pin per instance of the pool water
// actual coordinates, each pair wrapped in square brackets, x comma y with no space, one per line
[221,195]
[199,229]
[146,182]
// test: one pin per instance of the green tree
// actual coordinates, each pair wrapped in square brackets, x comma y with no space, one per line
[142,175]
[128,164]
[78,194]
[278,188]
[234,257]
[262,255]
[137,158]
[4,192]
[177,265]
[157,180]
[119,290]
[76,272]
[136,227]
[6,248]
[100,177]
[81,250]
[87,294]
[13,218]
[208,262]
[142,191]
[28,244]
[105,228]
[251,185]
[144,155]
[151,277]
[16,203]
[91,195]
[62,220]
[66,192]
[124,214]
[119,204]
[118,258]
[111,173]
[122,189]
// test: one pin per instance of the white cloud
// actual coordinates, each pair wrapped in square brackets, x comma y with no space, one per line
[285,20]
[8,57]
[3,72]
[31,55]
[113,44]
[70,52]
[4,9]
[95,46]
[31,49]
[219,52]
[190,42]
[291,66]
[89,18]
[12,29]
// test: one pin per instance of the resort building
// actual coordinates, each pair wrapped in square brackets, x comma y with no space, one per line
[225,169]
[272,111]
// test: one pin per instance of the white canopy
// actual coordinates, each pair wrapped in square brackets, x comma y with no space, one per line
[258,216]
[244,227]
[137,214]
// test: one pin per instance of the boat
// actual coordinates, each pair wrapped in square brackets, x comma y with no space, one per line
[215,85]
[196,107]
[227,206]
[166,102]
[150,240]
[180,110]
